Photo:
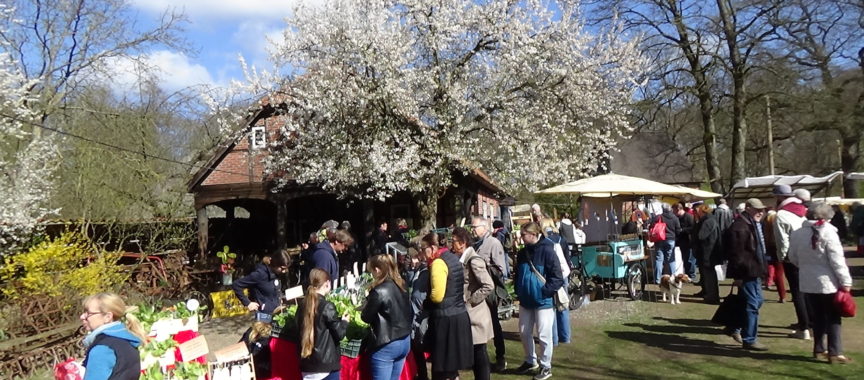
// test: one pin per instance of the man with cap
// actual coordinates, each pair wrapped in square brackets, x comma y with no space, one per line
[746,253]
[791,213]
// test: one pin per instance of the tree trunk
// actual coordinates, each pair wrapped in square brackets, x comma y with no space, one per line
[709,141]
[703,93]
[427,205]
[738,71]
[739,130]
[849,156]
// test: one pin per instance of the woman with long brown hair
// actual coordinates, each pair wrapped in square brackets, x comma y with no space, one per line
[321,329]
[388,312]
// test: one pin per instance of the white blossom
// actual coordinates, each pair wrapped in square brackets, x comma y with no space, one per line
[389,95]
[26,164]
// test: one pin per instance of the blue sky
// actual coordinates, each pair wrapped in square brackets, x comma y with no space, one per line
[218,31]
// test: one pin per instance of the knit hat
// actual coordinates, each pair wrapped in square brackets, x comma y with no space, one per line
[802,194]
[782,191]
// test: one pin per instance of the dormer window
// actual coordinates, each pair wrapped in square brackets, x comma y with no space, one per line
[259,138]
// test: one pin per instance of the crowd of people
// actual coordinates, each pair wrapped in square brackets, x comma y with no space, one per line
[444,300]
[763,247]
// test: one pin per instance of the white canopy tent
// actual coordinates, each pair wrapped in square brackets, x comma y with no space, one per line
[606,185]
[601,217]
[761,187]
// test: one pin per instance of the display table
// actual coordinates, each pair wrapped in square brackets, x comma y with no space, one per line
[285,364]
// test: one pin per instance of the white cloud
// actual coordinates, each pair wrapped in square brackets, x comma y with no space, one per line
[172,70]
[231,9]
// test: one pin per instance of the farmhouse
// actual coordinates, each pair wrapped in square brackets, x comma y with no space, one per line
[237,203]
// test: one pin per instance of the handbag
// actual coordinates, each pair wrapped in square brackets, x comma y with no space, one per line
[657,233]
[844,303]
[730,313]
[560,298]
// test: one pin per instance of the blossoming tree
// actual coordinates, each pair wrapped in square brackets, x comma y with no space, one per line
[26,164]
[386,95]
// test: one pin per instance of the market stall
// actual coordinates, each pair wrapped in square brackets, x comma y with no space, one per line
[284,354]
[611,259]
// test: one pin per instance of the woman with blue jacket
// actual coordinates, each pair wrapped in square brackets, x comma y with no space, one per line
[536,307]
[112,346]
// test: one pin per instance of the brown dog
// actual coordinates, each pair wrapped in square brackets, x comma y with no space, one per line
[672,286]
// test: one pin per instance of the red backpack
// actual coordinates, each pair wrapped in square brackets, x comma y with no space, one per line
[658,231]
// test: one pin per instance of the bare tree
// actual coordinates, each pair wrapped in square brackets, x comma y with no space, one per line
[58,45]
[678,36]
[820,38]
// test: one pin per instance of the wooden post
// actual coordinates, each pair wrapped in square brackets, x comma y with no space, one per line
[203,231]
[770,134]
[369,226]
[281,219]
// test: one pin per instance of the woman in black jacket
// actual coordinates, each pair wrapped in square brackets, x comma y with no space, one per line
[320,330]
[388,312]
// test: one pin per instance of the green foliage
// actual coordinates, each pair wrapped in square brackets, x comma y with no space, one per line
[68,264]
[156,349]
[189,371]
[226,255]
[287,317]
[154,372]
[148,315]
[357,329]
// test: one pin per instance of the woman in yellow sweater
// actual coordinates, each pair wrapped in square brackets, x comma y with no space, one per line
[449,334]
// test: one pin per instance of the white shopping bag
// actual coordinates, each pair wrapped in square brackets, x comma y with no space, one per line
[721,271]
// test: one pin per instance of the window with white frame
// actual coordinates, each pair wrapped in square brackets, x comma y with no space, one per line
[258,137]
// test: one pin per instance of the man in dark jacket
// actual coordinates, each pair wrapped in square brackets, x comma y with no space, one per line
[324,257]
[746,253]
[684,239]
[665,250]
[707,246]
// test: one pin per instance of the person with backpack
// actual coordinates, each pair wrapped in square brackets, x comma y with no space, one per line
[664,228]
[506,238]
[561,327]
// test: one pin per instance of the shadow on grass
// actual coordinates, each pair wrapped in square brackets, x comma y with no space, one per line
[686,321]
[676,341]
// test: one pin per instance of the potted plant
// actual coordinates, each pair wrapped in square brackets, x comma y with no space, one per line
[227,267]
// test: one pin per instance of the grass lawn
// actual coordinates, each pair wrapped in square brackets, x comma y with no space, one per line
[622,339]
[653,340]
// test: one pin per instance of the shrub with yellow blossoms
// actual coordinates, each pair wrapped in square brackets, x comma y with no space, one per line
[69,264]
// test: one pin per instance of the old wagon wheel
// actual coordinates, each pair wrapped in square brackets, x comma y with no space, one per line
[636,279]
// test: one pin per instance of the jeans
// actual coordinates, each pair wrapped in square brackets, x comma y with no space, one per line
[751,289]
[543,319]
[826,321]
[664,252]
[797,297]
[561,327]
[387,361]
[689,259]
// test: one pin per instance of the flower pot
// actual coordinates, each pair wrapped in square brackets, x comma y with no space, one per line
[227,279]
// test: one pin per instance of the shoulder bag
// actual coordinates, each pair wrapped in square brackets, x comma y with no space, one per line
[560,298]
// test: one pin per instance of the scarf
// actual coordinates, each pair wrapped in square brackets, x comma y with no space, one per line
[88,340]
